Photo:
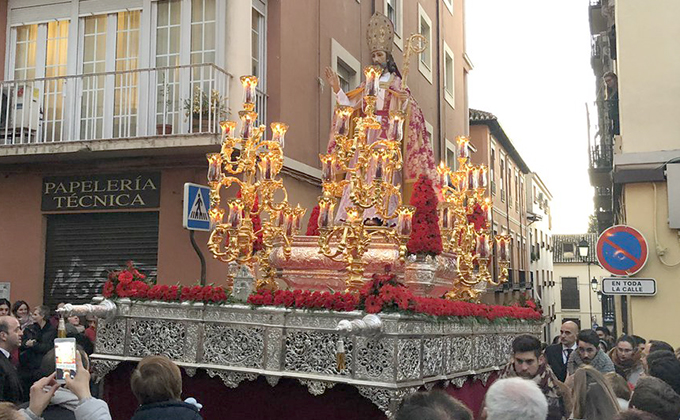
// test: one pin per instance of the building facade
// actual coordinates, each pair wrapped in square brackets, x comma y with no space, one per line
[108,108]
[642,155]
[492,148]
[538,199]
[577,285]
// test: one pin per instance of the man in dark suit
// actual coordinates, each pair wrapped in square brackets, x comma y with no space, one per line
[10,340]
[558,354]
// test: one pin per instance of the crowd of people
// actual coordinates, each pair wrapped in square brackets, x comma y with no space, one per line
[585,374]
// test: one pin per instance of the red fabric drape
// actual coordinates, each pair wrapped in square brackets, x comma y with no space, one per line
[257,400]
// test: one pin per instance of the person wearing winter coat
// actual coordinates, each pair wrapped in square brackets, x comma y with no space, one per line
[37,340]
[157,385]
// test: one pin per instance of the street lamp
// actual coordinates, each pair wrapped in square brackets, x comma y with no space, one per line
[583,252]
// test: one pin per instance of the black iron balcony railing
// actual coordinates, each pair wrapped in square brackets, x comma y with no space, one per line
[185,99]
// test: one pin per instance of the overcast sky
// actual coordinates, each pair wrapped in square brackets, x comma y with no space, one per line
[532,70]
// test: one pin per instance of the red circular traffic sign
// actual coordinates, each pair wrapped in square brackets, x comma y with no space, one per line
[622,250]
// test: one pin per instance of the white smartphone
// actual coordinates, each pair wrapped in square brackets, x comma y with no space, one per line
[65,358]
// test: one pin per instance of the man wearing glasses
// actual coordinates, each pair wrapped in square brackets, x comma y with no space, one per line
[588,353]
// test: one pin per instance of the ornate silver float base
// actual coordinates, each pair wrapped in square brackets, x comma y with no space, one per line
[237,343]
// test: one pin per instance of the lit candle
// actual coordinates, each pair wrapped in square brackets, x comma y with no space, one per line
[327,168]
[483,177]
[486,210]
[342,115]
[404,219]
[482,246]
[279,132]
[298,214]
[472,178]
[280,218]
[502,242]
[265,167]
[249,84]
[326,207]
[214,167]
[247,121]
[395,131]
[443,172]
[228,129]
[462,183]
[372,74]
[216,216]
[235,212]
[288,223]
[463,150]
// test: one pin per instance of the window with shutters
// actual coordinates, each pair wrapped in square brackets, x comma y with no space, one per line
[569,293]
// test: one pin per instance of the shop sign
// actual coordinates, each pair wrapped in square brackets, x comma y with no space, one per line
[101,192]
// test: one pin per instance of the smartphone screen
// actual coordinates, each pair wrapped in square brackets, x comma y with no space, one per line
[65,357]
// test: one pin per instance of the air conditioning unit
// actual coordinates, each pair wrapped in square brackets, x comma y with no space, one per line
[20,108]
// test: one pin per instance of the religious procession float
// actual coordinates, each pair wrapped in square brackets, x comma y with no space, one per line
[343,322]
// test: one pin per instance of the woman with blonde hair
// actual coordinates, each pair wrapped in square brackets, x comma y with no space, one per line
[594,399]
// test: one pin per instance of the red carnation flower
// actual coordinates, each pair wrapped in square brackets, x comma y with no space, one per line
[373,304]
[108,289]
[125,277]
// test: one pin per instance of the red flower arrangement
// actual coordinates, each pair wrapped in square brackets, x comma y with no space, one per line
[425,236]
[385,294]
[130,283]
[313,224]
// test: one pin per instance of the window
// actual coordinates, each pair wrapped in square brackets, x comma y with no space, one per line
[517,192]
[168,35]
[127,57]
[509,178]
[394,12]
[451,160]
[425,29]
[24,59]
[347,67]
[203,31]
[568,250]
[569,293]
[492,171]
[346,75]
[258,62]
[55,66]
[535,196]
[501,179]
[449,77]
[521,192]
[94,63]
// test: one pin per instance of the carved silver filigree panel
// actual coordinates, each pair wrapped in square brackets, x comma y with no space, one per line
[433,356]
[504,349]
[101,368]
[387,400]
[307,321]
[459,381]
[408,357]
[315,352]
[111,336]
[485,351]
[233,345]
[274,348]
[157,337]
[317,387]
[460,354]
[231,379]
[375,358]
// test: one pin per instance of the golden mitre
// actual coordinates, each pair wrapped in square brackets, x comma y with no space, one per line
[380,33]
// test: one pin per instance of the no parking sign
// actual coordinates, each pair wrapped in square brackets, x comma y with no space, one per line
[622,250]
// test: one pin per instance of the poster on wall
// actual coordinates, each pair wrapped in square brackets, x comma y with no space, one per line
[4,290]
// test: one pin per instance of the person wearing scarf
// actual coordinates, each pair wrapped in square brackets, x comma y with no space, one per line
[528,363]
[626,359]
[589,353]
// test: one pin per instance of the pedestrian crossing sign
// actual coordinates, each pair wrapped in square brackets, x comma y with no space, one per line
[196,207]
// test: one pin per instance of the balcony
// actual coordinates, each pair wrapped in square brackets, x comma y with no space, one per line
[598,22]
[170,101]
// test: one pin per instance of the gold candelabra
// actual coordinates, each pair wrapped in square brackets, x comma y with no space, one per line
[370,167]
[252,162]
[465,219]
